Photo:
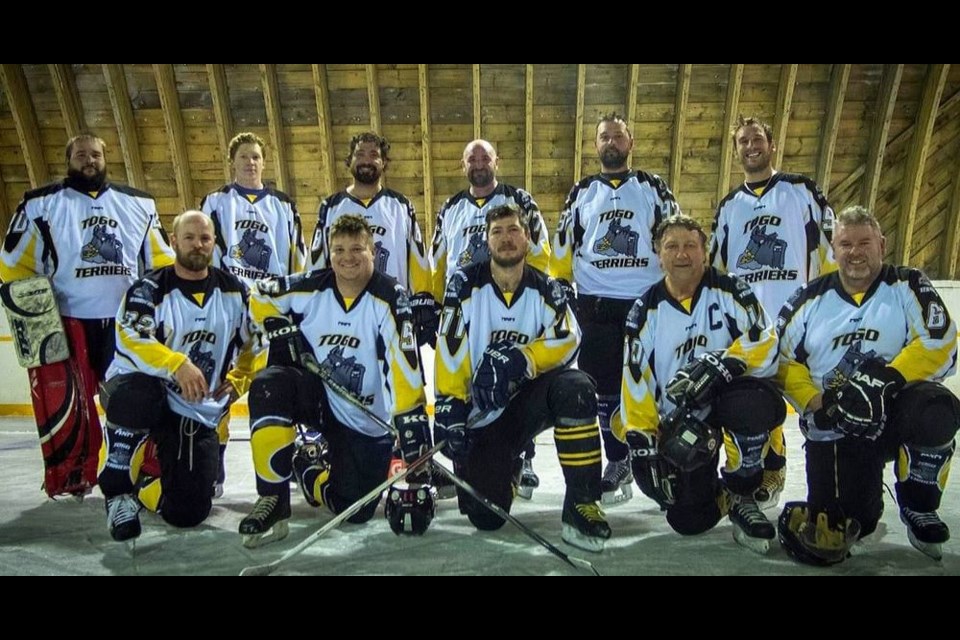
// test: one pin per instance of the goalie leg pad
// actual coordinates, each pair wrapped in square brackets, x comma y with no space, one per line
[38,333]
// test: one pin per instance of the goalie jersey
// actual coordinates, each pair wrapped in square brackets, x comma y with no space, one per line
[662,335]
[368,343]
[398,246]
[775,241]
[92,245]
[165,320]
[460,238]
[476,313]
[258,232]
[825,334]
[604,237]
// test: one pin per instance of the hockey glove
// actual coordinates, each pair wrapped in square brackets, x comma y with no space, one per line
[864,400]
[655,476]
[426,317]
[501,365]
[699,381]
[450,426]
[570,293]
[413,429]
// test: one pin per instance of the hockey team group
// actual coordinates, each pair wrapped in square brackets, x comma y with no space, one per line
[630,326]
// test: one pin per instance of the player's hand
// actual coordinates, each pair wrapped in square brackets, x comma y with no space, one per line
[224,390]
[193,385]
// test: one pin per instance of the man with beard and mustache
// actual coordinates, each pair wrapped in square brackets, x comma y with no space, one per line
[399,251]
[460,240]
[508,340]
[604,245]
[774,232]
[92,238]
[184,354]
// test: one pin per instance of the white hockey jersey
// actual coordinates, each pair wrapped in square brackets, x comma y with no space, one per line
[165,320]
[92,245]
[825,334]
[460,238]
[398,245]
[663,335]
[476,313]
[604,240]
[258,232]
[776,240]
[369,344]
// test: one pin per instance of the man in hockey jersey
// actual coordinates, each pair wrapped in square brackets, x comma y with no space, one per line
[257,227]
[356,325]
[90,237]
[604,244]
[183,355]
[773,231]
[460,240]
[863,352]
[398,249]
[507,342]
[697,353]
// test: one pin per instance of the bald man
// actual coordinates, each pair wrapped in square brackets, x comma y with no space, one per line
[183,356]
[460,240]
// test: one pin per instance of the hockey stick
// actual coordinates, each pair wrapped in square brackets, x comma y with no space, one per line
[267,569]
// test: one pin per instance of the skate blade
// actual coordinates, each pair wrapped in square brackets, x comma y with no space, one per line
[932,550]
[525,492]
[620,495]
[758,545]
[769,503]
[277,532]
[572,536]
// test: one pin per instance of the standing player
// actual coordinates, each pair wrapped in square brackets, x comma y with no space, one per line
[398,245]
[604,244]
[460,240]
[357,324]
[507,340]
[699,347]
[863,352]
[773,231]
[92,238]
[258,232]
[180,330]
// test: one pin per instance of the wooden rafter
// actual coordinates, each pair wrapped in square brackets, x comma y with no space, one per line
[886,101]
[679,122]
[126,125]
[373,96]
[65,86]
[271,99]
[327,158]
[176,139]
[913,175]
[220,97]
[5,213]
[25,119]
[788,81]
[730,113]
[423,82]
[476,102]
[839,77]
[633,81]
[578,124]
[528,129]
[950,253]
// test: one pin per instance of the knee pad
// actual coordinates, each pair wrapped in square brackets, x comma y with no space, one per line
[485,520]
[364,514]
[185,510]
[751,404]
[273,395]
[573,398]
[936,412]
[689,521]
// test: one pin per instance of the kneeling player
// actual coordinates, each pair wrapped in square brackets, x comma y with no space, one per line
[862,354]
[507,340]
[178,331]
[357,326]
[698,347]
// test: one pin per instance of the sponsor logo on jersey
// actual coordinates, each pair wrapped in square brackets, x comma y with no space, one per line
[509,335]
[380,257]
[203,359]
[476,251]
[252,251]
[346,372]
[620,239]
[848,365]
[103,249]
[763,250]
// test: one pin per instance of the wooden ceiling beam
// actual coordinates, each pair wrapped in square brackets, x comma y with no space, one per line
[25,119]
[788,82]
[730,113]
[328,170]
[271,100]
[883,114]
[220,97]
[839,76]
[176,138]
[65,86]
[116,82]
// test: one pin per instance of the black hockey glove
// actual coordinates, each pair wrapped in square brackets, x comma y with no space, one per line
[570,293]
[413,429]
[699,381]
[655,476]
[864,400]
[501,365]
[450,426]
[426,317]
